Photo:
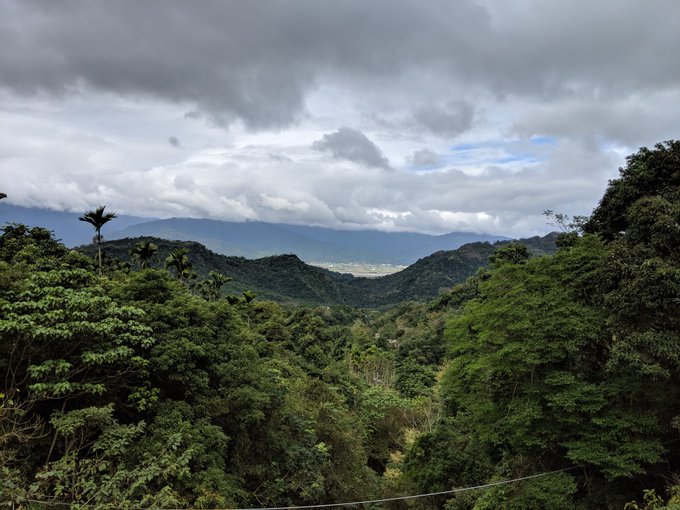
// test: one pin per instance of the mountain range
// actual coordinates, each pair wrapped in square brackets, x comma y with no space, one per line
[255,239]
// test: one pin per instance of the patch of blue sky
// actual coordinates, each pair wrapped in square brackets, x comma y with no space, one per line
[613,146]
[544,140]
[500,152]
[518,158]
[468,146]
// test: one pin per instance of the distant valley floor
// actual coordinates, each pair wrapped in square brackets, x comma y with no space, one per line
[360,269]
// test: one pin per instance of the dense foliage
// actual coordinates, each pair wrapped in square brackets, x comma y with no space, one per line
[285,278]
[164,388]
[571,361]
[149,388]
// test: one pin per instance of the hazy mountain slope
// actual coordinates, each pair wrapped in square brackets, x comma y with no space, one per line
[400,247]
[65,225]
[312,244]
[248,239]
[287,278]
[427,277]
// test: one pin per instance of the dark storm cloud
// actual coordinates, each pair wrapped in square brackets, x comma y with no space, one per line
[449,120]
[257,61]
[352,145]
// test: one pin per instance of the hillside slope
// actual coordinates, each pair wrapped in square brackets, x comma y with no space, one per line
[287,278]
[435,273]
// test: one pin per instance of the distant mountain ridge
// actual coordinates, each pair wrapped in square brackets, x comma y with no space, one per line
[253,239]
[312,244]
[287,278]
[64,224]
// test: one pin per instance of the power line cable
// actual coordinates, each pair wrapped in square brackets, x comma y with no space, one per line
[354,503]
[401,498]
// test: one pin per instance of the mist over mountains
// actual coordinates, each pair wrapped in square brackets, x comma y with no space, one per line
[255,239]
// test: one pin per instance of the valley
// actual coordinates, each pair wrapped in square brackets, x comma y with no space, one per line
[287,279]
[360,270]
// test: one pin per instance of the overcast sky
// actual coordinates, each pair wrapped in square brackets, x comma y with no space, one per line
[420,115]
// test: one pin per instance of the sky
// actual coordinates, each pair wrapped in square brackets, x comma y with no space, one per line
[426,115]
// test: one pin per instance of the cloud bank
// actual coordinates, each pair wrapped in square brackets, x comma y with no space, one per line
[330,112]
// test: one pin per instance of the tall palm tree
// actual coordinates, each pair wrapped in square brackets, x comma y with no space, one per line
[98,219]
[210,288]
[218,279]
[249,296]
[143,253]
[179,261]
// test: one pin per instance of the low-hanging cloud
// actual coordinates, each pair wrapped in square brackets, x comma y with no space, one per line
[352,145]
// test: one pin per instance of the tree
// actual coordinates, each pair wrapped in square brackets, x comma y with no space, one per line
[531,379]
[98,219]
[570,227]
[211,412]
[639,217]
[514,253]
[565,223]
[249,296]
[19,243]
[648,173]
[179,261]
[68,356]
[143,253]
[210,288]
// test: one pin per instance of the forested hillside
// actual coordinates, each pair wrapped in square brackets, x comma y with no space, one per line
[287,279]
[570,362]
[141,387]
